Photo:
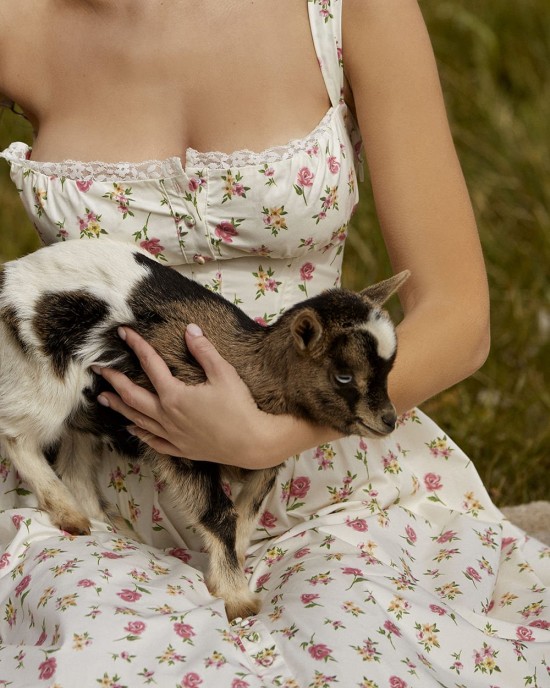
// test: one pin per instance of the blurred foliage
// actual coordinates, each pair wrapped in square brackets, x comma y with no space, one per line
[493,59]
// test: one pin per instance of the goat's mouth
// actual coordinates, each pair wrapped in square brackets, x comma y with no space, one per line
[372,431]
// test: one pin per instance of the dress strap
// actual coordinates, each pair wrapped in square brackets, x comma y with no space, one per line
[325,18]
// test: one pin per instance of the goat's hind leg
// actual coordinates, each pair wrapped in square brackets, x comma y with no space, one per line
[199,490]
[53,496]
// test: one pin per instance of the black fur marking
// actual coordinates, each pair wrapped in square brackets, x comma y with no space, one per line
[164,285]
[51,452]
[12,322]
[63,321]
[102,422]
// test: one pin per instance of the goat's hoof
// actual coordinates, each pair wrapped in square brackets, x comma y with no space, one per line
[74,526]
[243,608]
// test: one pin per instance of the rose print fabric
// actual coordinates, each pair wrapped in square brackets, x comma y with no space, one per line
[380,563]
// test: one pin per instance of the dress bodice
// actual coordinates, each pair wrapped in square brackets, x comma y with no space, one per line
[282,212]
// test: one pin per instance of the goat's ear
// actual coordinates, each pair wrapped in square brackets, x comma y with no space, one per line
[381,291]
[306,330]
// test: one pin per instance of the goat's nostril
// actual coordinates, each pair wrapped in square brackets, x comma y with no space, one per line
[389,419]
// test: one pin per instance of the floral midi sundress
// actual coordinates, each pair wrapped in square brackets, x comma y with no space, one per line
[380,563]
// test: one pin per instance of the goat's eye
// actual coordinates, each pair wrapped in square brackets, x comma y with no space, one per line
[343,379]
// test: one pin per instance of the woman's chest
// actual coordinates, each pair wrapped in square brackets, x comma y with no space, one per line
[284,202]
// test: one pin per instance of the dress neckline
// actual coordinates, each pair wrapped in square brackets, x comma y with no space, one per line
[173,166]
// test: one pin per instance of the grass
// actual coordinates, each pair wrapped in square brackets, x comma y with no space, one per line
[493,60]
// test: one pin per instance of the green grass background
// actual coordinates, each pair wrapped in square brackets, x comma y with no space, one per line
[494,62]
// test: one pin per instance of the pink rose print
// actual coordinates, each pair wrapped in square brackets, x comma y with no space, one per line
[437,609]
[22,585]
[5,560]
[129,595]
[184,630]
[193,184]
[358,524]
[396,682]
[411,535]
[135,627]
[525,634]
[308,598]
[85,583]
[306,271]
[16,520]
[305,177]
[47,668]
[304,180]
[432,481]
[191,680]
[392,628]
[84,186]
[180,553]
[540,623]
[260,321]
[226,231]
[267,520]
[299,487]
[472,573]
[333,164]
[239,683]
[319,651]
[152,245]
[262,580]
[303,552]
[446,536]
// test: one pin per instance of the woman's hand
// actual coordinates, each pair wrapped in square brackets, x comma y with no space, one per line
[215,421]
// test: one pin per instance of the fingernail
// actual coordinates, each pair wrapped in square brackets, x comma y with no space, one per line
[131,429]
[122,333]
[194,330]
[103,400]
[96,369]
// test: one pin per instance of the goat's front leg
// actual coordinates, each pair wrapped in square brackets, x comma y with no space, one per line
[198,489]
[53,496]
[77,464]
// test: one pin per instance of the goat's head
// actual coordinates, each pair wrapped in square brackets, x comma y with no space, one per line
[346,346]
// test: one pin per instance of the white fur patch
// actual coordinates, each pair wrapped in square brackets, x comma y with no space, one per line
[383,332]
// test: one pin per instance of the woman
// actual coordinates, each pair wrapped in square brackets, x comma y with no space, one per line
[379,562]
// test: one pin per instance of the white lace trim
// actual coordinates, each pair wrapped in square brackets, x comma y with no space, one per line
[161,169]
[95,170]
[215,160]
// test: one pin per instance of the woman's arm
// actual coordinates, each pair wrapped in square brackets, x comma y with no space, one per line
[421,199]
[428,227]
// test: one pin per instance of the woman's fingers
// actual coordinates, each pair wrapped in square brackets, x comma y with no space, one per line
[152,364]
[132,401]
[159,444]
[206,354]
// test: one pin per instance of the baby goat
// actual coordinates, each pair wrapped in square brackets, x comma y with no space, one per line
[326,359]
